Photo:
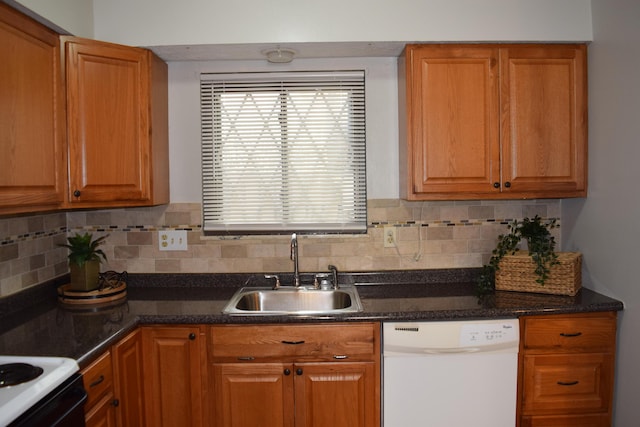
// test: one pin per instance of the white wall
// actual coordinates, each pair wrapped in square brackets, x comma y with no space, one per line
[170,22]
[382,119]
[73,16]
[605,226]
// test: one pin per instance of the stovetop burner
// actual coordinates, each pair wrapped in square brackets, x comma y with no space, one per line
[18,373]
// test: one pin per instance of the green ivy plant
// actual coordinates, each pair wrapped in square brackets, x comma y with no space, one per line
[541,245]
[82,248]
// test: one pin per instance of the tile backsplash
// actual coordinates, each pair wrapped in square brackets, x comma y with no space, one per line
[429,235]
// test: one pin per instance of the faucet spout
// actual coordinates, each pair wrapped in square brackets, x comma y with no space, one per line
[294,258]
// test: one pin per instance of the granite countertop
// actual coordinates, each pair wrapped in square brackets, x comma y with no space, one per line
[35,324]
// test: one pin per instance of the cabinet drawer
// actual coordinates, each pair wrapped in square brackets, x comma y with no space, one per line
[334,341]
[590,332]
[568,383]
[97,379]
[593,420]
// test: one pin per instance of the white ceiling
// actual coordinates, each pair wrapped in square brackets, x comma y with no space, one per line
[237,52]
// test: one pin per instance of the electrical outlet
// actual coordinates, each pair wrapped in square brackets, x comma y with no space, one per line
[390,237]
[172,240]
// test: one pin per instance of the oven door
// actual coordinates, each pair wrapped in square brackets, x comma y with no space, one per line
[64,406]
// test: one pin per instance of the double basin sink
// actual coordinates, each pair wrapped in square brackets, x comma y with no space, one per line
[287,300]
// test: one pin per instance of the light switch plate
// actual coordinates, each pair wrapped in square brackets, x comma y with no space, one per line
[172,240]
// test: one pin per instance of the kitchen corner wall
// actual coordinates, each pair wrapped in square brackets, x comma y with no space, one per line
[430,235]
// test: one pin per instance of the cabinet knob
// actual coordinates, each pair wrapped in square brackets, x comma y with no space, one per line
[192,336]
[507,184]
[299,371]
[287,371]
[496,185]
[115,402]
[76,193]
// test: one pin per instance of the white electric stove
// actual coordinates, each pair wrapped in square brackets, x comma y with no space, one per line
[20,398]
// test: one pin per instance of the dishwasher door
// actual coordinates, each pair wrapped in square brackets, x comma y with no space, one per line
[450,374]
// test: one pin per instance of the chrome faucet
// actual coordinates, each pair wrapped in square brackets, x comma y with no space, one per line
[294,258]
[334,273]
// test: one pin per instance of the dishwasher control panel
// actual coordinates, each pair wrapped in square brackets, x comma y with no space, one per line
[451,337]
[487,333]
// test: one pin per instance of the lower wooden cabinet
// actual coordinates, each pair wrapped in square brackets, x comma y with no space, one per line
[336,394]
[567,367]
[327,375]
[174,375]
[114,385]
[100,408]
[296,375]
[127,379]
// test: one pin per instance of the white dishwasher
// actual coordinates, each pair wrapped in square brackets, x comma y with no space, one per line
[450,374]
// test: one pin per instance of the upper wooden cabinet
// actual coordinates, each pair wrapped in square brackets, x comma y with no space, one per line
[32,120]
[493,121]
[117,114]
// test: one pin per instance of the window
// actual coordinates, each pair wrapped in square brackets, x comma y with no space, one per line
[283,152]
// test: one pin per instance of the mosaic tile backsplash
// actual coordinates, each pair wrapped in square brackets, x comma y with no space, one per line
[429,235]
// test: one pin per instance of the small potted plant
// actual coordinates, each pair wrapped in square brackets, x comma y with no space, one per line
[84,261]
[521,272]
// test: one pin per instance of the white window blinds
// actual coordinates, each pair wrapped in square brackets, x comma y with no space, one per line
[283,152]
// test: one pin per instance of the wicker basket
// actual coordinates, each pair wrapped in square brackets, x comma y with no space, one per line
[517,273]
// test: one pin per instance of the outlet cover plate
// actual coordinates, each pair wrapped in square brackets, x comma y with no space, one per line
[172,240]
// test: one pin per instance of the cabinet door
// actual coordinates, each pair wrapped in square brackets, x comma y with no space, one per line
[336,395]
[174,369]
[32,122]
[103,414]
[544,106]
[452,120]
[108,122]
[253,394]
[128,386]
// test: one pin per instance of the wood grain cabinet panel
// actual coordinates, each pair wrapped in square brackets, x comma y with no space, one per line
[32,116]
[97,378]
[114,385]
[566,372]
[348,389]
[128,384]
[302,375]
[117,125]
[492,121]
[174,369]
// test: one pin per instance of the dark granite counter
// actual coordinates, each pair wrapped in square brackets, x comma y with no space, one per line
[36,325]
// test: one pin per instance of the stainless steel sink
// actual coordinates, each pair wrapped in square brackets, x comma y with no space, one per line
[294,301]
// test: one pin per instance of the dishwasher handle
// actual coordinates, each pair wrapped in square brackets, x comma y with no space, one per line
[396,350]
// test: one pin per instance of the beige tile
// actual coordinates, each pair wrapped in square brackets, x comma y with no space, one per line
[261,251]
[167,266]
[481,212]
[174,219]
[454,213]
[440,233]
[234,251]
[139,238]
[126,252]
